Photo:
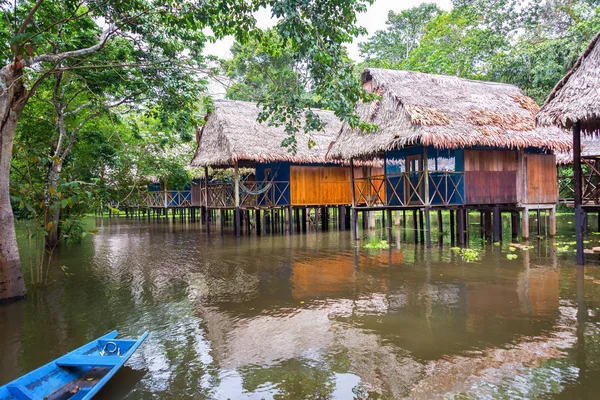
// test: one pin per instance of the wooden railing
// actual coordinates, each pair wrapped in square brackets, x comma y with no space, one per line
[408,189]
[168,198]
[252,194]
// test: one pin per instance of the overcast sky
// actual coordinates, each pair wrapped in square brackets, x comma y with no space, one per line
[374,19]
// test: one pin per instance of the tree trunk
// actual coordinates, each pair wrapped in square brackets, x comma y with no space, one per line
[12,100]
[52,211]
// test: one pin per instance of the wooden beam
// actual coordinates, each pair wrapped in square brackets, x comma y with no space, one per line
[580,256]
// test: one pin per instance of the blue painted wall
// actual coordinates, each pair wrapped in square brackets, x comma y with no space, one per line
[438,161]
[280,173]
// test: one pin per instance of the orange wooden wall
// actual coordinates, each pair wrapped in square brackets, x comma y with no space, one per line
[319,185]
[541,185]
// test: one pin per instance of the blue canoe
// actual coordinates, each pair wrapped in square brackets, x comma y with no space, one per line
[79,374]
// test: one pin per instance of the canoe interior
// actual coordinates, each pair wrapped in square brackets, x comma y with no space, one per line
[77,375]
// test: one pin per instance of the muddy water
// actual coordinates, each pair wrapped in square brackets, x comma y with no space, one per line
[316,316]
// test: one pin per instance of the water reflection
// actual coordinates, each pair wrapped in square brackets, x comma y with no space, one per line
[314,316]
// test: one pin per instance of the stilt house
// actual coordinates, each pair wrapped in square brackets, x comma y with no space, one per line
[451,143]
[232,138]
[574,104]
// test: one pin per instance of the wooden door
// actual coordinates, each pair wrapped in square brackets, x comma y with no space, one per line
[414,174]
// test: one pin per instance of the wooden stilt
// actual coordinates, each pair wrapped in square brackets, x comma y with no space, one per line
[460,224]
[415,226]
[577,198]
[552,222]
[342,218]
[354,224]
[525,224]
[389,225]
[222,221]
[452,227]
[497,224]
[428,227]
[421,227]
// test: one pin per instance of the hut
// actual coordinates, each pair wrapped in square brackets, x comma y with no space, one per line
[267,176]
[452,143]
[590,160]
[574,104]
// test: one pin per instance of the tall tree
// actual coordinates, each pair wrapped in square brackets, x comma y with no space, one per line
[405,29]
[41,39]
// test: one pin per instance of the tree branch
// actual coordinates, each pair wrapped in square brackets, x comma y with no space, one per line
[29,16]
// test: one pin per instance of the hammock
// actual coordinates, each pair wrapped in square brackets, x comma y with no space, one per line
[257,192]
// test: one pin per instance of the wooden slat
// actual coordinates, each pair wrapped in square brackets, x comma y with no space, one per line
[320,185]
[490,187]
[542,184]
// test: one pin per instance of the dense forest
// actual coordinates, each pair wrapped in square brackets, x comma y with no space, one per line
[108,97]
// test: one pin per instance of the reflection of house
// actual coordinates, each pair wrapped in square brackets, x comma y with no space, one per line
[453,143]
[337,275]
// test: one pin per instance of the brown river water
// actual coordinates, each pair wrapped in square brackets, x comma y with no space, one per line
[317,316]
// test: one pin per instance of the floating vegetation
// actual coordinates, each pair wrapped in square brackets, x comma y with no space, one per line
[377,244]
[512,256]
[468,255]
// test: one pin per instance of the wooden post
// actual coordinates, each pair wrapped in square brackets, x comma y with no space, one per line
[525,224]
[428,227]
[415,226]
[389,225]
[236,189]
[354,224]
[397,218]
[289,217]
[460,224]
[440,226]
[421,227]
[580,256]
[342,218]
[497,224]
[426,176]
[552,221]
[488,224]
[514,217]
[222,221]
[452,228]
[304,223]
[354,212]
[258,221]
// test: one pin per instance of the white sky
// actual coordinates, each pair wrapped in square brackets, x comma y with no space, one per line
[373,20]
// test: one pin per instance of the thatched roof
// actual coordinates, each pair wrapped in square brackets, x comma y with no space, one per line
[577,96]
[590,147]
[446,112]
[232,133]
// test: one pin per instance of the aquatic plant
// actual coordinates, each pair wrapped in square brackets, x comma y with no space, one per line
[377,244]
[468,255]
[512,256]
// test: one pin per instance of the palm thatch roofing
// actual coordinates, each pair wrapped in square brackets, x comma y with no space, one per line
[232,134]
[576,97]
[590,148]
[446,112]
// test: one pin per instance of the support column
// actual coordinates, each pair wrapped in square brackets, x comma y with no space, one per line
[580,256]
[289,217]
[428,227]
[389,225]
[236,188]
[258,221]
[525,224]
[452,227]
[342,218]
[222,221]
[371,220]
[397,218]
[354,224]
[552,222]
[460,224]
[421,227]
[497,224]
